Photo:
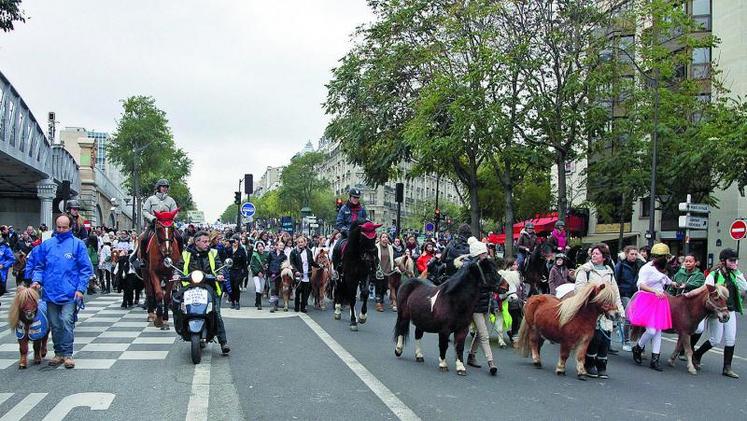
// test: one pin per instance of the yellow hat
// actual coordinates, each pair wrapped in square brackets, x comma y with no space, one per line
[660,249]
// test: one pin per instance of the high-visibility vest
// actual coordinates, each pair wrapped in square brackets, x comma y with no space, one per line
[186,256]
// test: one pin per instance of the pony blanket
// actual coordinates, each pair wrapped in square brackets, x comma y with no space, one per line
[39,327]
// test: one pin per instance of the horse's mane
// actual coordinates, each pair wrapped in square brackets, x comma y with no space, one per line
[22,295]
[464,274]
[723,292]
[355,241]
[568,308]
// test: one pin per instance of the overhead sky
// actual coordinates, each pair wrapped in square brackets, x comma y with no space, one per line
[241,81]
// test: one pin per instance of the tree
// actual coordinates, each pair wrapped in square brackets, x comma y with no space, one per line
[10,12]
[143,147]
[422,212]
[299,182]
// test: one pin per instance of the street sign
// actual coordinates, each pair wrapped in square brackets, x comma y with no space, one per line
[738,230]
[429,226]
[248,209]
[694,207]
[314,225]
[693,222]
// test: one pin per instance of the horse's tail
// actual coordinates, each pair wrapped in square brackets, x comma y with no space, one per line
[401,328]
[522,343]
[636,332]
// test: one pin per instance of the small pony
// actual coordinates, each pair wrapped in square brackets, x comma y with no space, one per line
[320,279]
[287,279]
[570,322]
[29,316]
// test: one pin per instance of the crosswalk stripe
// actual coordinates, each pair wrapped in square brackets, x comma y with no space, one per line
[22,408]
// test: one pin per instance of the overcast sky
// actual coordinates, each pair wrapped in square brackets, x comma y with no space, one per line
[241,81]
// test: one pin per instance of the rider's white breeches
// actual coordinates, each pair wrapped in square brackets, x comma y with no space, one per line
[654,336]
[483,335]
[726,331]
[259,284]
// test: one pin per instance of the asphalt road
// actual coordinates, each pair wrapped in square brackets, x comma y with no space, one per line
[285,366]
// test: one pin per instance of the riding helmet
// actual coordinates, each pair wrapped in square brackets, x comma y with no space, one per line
[560,224]
[529,225]
[71,204]
[162,182]
[727,254]
[660,249]
[354,192]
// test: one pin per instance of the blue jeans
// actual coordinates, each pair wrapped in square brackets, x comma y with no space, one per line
[61,322]
[520,260]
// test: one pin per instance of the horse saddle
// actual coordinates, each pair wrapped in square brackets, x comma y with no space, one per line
[338,251]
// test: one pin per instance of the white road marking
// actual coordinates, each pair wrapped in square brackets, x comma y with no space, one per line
[105,347]
[4,397]
[95,401]
[144,355]
[92,364]
[714,349]
[153,341]
[197,409]
[22,408]
[5,363]
[389,399]
[119,334]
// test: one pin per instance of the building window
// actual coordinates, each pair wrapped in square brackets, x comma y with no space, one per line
[645,207]
[701,13]
[701,67]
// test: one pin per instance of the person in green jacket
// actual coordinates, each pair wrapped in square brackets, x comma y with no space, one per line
[258,264]
[92,246]
[688,277]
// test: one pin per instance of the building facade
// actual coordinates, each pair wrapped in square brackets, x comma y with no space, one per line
[269,181]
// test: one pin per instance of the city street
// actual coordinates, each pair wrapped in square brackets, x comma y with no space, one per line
[294,366]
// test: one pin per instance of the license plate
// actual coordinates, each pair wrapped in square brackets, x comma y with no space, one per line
[195,296]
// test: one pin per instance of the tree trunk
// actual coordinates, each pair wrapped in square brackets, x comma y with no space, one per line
[509,224]
[620,239]
[562,186]
[474,204]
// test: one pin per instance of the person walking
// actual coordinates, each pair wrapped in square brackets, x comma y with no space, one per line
[105,265]
[477,251]
[259,263]
[238,270]
[274,263]
[560,273]
[6,262]
[62,268]
[626,276]
[302,262]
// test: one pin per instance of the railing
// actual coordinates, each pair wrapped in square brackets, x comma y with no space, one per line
[112,191]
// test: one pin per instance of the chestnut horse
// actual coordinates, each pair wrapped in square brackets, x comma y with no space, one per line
[320,279]
[570,322]
[687,313]
[287,282]
[444,309]
[19,266]
[29,317]
[158,283]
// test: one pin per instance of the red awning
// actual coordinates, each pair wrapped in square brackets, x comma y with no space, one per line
[500,238]
[542,224]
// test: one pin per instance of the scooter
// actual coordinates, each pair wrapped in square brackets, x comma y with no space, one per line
[195,320]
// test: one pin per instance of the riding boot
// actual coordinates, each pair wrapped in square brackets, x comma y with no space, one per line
[591,366]
[602,368]
[637,354]
[697,355]
[728,355]
[472,361]
[493,368]
[655,362]
[258,300]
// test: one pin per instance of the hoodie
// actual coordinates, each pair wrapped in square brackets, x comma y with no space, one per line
[61,266]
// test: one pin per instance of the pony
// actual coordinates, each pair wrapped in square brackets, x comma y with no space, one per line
[158,283]
[287,282]
[405,265]
[28,316]
[320,279]
[570,322]
[444,309]
[535,271]
[687,313]
[356,260]
[19,266]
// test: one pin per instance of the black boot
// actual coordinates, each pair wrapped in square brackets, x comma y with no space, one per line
[728,355]
[472,361]
[591,367]
[224,348]
[637,354]
[655,362]
[258,300]
[602,368]
[697,355]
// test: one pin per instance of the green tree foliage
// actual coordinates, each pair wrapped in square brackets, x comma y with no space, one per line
[299,183]
[422,212]
[10,11]
[143,138]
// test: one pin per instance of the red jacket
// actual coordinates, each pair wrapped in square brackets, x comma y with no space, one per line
[422,262]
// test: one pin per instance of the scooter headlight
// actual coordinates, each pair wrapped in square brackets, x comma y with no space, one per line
[197,276]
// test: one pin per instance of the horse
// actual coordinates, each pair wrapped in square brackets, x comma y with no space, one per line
[158,283]
[687,313]
[320,279]
[405,265]
[356,258]
[570,322]
[28,316]
[535,271]
[19,266]
[444,309]
[287,281]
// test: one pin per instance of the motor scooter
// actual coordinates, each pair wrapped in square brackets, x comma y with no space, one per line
[195,320]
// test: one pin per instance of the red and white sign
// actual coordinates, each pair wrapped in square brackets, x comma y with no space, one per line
[87,224]
[738,229]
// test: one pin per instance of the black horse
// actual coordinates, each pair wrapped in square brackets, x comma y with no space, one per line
[355,259]
[444,309]
[535,271]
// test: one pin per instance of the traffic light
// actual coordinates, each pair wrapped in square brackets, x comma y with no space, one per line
[437,214]
[237,197]
[338,204]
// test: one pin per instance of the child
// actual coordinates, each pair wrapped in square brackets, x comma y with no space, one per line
[559,274]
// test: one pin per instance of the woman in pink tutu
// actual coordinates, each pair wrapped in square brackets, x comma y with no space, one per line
[650,306]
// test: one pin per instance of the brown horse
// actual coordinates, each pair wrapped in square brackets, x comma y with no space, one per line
[25,315]
[18,267]
[287,282]
[158,283]
[406,266]
[687,312]
[320,279]
[570,323]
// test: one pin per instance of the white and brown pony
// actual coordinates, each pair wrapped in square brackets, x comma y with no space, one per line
[27,315]
[287,283]
[405,266]
[320,279]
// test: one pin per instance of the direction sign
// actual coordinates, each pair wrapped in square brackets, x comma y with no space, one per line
[693,222]
[738,229]
[248,209]
[694,207]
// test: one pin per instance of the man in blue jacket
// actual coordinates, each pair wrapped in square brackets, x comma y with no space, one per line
[353,210]
[6,262]
[62,267]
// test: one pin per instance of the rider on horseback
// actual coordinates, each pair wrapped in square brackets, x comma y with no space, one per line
[76,226]
[160,201]
[526,244]
[353,210]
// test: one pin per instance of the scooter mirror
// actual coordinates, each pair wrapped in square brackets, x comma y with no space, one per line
[168,262]
[228,262]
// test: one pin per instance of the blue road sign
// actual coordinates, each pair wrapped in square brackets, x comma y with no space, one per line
[248,209]
[429,226]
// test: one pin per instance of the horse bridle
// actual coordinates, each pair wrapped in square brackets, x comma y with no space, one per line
[166,240]
[714,307]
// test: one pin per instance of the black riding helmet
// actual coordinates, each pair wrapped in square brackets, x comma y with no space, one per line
[354,192]
[727,254]
[71,204]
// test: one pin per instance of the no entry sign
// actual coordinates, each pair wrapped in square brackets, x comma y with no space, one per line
[738,229]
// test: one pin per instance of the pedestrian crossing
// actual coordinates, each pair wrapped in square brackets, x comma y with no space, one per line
[106,335]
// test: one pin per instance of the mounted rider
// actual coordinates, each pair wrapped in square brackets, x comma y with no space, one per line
[160,201]
[72,208]
[558,240]
[526,244]
[353,210]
